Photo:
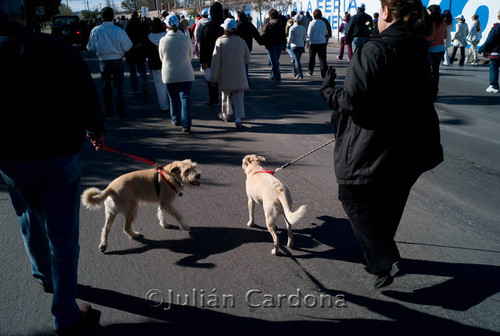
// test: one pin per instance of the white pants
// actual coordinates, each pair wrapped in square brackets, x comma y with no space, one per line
[446,57]
[473,51]
[236,98]
[161,90]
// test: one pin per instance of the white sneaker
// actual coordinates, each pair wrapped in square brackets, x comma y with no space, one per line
[492,89]
[224,117]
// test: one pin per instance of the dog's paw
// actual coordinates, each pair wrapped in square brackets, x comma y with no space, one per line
[133,234]
[275,251]
[167,225]
[185,227]
[251,224]
[102,248]
[290,244]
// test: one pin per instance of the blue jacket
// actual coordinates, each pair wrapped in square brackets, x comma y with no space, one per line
[492,43]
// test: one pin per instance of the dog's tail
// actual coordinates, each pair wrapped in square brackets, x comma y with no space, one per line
[92,198]
[291,217]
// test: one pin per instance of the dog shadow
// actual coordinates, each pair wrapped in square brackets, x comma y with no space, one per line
[202,243]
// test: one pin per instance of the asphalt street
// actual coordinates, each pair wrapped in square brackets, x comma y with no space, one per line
[221,279]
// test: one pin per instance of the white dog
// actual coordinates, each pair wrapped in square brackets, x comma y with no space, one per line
[262,187]
[125,192]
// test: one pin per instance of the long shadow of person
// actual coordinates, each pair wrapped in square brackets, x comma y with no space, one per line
[467,286]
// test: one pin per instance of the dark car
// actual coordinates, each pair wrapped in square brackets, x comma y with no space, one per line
[69,27]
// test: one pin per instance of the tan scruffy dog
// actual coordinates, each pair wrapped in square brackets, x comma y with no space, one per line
[149,186]
[265,189]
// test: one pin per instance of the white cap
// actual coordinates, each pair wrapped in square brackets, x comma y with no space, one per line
[172,21]
[461,17]
[229,25]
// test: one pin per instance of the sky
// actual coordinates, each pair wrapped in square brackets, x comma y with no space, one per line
[79,5]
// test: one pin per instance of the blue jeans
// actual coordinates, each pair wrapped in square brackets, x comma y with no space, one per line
[494,64]
[46,197]
[297,67]
[141,69]
[112,75]
[274,53]
[462,55]
[357,41]
[180,103]
[289,51]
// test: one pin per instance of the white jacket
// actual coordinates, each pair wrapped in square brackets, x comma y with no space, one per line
[316,32]
[108,41]
[297,35]
[176,52]
[474,35]
[461,33]
[228,63]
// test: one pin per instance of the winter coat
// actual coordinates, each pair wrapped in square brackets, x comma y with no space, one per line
[273,33]
[460,37]
[247,31]
[176,52]
[210,33]
[152,53]
[492,43]
[384,115]
[228,63]
[474,35]
[358,26]
[138,34]
[52,96]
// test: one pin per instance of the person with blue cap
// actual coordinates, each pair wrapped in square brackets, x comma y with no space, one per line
[198,29]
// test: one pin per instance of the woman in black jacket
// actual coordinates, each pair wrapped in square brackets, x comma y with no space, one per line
[387,132]
[247,31]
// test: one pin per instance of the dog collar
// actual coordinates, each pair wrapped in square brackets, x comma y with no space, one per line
[160,171]
[265,172]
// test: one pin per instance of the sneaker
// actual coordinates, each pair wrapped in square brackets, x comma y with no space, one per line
[88,320]
[492,89]
[186,129]
[224,117]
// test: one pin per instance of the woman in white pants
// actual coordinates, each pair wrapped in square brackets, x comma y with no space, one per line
[474,38]
[154,62]
[448,19]
[228,70]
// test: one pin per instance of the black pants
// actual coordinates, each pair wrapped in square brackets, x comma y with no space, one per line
[375,211]
[213,94]
[320,50]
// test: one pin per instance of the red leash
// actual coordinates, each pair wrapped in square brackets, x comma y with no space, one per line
[158,166]
[265,172]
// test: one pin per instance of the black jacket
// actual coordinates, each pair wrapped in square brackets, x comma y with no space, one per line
[49,100]
[210,33]
[248,32]
[387,124]
[358,26]
[138,34]
[273,33]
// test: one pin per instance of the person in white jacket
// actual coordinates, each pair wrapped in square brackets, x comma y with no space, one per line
[110,43]
[317,42]
[460,40]
[474,38]
[228,70]
[297,37]
[176,53]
